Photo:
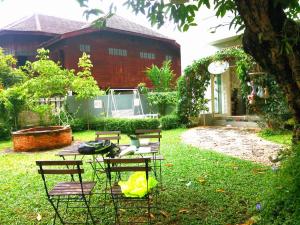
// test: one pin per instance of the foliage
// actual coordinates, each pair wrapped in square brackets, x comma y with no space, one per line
[161,78]
[4,132]
[191,90]
[142,88]
[9,75]
[282,207]
[170,122]
[84,84]
[274,110]
[198,203]
[126,126]
[48,79]
[162,100]
[192,86]
[44,79]
[12,102]
[77,124]
[11,97]
[183,13]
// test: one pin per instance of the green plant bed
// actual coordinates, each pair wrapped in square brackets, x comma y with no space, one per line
[208,187]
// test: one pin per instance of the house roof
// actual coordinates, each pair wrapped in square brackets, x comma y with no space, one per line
[61,28]
[114,24]
[119,23]
[44,24]
[53,25]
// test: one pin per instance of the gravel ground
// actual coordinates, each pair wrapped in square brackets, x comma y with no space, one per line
[237,142]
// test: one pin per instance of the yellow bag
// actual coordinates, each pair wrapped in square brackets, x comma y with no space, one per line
[136,185]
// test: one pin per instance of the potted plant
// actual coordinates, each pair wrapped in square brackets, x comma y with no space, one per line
[134,140]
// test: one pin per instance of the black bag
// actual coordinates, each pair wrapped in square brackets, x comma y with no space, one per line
[99,147]
[95,147]
[114,151]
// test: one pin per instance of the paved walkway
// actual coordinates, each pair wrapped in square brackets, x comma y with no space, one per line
[232,141]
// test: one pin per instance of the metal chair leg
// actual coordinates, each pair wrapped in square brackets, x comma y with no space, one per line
[56,210]
[88,208]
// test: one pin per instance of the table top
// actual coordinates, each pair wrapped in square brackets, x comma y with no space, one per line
[72,150]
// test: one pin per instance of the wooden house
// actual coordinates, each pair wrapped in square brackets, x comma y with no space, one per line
[120,52]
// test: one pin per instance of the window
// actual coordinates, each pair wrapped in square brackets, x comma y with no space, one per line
[8,51]
[117,52]
[85,48]
[147,55]
[169,57]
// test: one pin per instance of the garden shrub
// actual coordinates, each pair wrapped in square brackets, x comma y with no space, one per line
[125,125]
[283,205]
[170,122]
[78,124]
[289,124]
[4,132]
[161,78]
[191,90]
[162,100]
[274,110]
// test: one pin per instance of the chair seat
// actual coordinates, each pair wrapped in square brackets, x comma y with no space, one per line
[158,157]
[116,190]
[72,188]
[153,145]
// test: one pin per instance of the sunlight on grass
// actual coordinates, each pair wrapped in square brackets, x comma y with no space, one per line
[200,187]
[277,137]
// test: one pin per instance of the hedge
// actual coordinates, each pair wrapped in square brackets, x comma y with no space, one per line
[170,122]
[126,126]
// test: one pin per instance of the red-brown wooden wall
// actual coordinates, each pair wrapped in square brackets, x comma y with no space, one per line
[23,44]
[117,71]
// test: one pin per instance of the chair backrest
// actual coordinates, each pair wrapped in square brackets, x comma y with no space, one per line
[108,135]
[59,167]
[149,133]
[119,165]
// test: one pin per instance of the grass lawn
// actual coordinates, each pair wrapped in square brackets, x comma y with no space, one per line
[5,145]
[201,187]
[278,137]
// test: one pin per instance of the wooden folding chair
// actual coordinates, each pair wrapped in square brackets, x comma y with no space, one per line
[69,192]
[154,137]
[151,134]
[120,169]
[113,136]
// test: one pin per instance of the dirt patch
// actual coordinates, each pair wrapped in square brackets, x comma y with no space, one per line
[240,143]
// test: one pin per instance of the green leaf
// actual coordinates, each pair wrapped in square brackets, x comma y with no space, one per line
[185,27]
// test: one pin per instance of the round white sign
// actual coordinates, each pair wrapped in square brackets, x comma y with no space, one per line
[218,67]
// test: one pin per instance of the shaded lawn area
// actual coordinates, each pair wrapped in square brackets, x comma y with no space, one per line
[5,145]
[278,137]
[201,187]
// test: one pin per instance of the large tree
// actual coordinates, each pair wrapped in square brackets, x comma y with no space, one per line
[271,33]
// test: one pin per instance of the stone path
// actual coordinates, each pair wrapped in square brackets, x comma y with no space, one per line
[236,142]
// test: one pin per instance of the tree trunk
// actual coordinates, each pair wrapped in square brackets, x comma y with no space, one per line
[273,41]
